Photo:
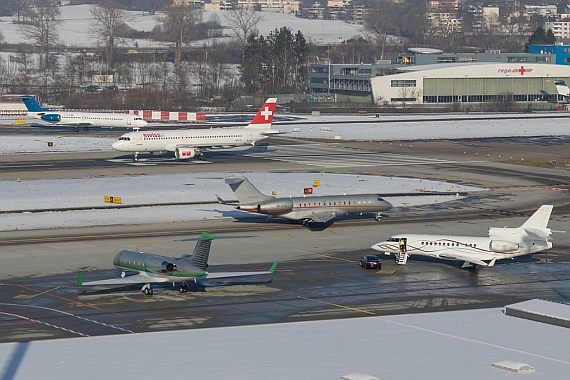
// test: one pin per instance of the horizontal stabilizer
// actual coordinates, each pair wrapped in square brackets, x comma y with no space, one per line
[538,233]
[210,276]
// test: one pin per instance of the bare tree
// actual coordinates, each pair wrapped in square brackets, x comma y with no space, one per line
[108,23]
[41,29]
[243,21]
[178,23]
[378,23]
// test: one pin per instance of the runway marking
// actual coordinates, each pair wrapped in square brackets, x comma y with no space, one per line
[327,256]
[339,306]
[44,323]
[72,301]
[70,315]
[327,156]
[27,166]
[388,271]
[473,340]
[27,296]
[155,161]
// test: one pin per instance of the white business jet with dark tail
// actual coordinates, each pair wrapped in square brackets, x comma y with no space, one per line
[190,143]
[562,90]
[83,120]
[152,268]
[308,209]
[502,243]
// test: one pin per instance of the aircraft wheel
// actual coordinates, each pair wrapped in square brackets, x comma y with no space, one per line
[136,158]
[148,291]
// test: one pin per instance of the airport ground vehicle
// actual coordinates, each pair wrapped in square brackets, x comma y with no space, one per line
[370,262]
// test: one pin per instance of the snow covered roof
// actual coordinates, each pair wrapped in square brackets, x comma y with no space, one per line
[442,346]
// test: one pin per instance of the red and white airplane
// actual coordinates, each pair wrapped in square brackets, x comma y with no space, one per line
[190,143]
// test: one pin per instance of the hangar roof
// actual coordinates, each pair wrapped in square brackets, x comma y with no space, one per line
[445,345]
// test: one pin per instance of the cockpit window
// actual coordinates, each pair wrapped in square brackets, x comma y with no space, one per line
[394,239]
[124,138]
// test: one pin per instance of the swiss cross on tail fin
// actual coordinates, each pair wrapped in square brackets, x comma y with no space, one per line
[265,114]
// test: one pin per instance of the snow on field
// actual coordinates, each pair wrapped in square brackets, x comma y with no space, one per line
[184,188]
[74,29]
[55,194]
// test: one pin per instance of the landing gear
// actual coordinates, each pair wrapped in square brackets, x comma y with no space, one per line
[378,217]
[147,290]
[307,223]
[136,157]
[202,157]
[183,287]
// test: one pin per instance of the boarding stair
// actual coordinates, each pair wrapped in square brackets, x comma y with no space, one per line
[401,258]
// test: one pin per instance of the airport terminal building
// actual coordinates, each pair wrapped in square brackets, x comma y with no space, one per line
[469,83]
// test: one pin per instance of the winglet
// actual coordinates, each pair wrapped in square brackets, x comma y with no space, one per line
[80,279]
[206,235]
[272,269]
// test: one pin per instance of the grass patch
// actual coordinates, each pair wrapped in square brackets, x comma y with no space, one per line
[552,164]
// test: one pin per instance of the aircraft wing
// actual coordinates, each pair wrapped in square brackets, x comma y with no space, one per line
[73,124]
[470,259]
[140,278]
[210,276]
[325,216]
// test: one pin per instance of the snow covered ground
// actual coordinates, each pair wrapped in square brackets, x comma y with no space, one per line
[75,21]
[184,188]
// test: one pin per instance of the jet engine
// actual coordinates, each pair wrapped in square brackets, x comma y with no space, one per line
[503,246]
[275,207]
[51,117]
[184,153]
[158,264]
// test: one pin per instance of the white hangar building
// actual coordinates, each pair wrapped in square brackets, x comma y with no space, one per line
[469,83]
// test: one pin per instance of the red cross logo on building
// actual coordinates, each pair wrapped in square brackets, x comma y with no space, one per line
[522,70]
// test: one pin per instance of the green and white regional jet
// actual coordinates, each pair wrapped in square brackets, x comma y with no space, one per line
[153,268]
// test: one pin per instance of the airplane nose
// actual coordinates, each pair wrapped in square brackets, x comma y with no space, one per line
[117,145]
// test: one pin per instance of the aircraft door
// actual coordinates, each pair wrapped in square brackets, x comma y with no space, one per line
[128,120]
[139,138]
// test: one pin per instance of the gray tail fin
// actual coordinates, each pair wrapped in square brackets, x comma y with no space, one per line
[540,218]
[202,251]
[244,190]
[536,225]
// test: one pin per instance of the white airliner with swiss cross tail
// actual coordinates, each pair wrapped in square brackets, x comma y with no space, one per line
[190,143]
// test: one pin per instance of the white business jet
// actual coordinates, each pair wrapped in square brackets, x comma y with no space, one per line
[502,243]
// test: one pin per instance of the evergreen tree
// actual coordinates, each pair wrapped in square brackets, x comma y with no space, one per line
[540,37]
